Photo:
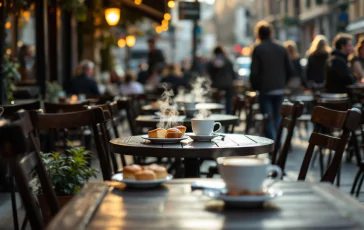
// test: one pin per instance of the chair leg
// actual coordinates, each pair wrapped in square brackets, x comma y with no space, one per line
[356,180]
[359,187]
[321,158]
[13,204]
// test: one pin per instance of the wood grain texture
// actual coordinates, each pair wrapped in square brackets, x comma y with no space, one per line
[174,206]
[231,145]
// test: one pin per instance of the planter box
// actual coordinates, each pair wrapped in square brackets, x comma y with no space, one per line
[62,200]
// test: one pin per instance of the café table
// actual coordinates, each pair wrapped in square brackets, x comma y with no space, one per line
[192,151]
[213,107]
[303,205]
[149,121]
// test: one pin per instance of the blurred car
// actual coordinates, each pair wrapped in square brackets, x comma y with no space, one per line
[242,66]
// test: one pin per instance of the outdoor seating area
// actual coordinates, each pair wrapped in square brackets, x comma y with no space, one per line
[176,114]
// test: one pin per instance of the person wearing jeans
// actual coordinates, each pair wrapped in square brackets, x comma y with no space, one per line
[271,69]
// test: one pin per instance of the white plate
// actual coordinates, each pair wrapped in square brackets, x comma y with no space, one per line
[141,183]
[243,201]
[201,138]
[164,140]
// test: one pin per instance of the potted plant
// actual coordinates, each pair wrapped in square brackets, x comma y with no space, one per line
[68,172]
[11,75]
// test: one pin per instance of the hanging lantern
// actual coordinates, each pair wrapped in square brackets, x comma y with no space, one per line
[171,4]
[167,16]
[121,43]
[130,40]
[112,16]
[138,2]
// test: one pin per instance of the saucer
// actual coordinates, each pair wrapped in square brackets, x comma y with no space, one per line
[201,138]
[141,183]
[243,201]
[164,140]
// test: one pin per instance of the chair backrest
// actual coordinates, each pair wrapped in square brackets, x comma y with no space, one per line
[334,104]
[289,112]
[50,107]
[327,118]
[251,98]
[14,151]
[238,105]
[10,110]
[93,117]
[124,104]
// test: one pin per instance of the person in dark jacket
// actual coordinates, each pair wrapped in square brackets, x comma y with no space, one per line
[357,60]
[317,56]
[222,74]
[337,74]
[155,56]
[83,83]
[173,76]
[270,69]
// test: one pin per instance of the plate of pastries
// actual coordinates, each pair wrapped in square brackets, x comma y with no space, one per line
[149,176]
[165,136]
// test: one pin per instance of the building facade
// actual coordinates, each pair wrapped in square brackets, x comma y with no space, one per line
[356,18]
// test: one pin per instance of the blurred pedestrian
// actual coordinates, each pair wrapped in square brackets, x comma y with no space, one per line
[83,82]
[222,74]
[337,74]
[357,60]
[142,73]
[173,76]
[317,56]
[271,68]
[155,56]
[130,85]
[297,81]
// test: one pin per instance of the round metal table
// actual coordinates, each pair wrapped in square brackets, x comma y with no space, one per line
[152,121]
[213,107]
[225,145]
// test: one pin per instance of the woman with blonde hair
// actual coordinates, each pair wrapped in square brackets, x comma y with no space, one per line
[317,55]
[357,61]
[297,79]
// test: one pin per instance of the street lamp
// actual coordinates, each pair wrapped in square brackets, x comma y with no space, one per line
[130,40]
[112,16]
[171,4]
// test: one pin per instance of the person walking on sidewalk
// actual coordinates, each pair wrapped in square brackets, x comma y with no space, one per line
[271,68]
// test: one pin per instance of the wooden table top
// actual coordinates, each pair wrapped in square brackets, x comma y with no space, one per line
[152,120]
[303,205]
[231,145]
[213,107]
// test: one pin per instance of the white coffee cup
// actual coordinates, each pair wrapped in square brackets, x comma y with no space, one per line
[247,173]
[189,105]
[204,127]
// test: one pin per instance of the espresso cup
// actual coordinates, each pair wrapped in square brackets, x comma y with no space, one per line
[247,173]
[204,127]
[189,105]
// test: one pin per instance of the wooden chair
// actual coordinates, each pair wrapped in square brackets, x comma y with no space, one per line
[50,107]
[125,104]
[14,151]
[253,115]
[93,118]
[10,110]
[113,111]
[327,118]
[239,106]
[290,112]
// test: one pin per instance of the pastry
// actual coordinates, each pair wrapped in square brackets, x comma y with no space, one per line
[130,171]
[181,128]
[145,175]
[173,133]
[157,133]
[160,171]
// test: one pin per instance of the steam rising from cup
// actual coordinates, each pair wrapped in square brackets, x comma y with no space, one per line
[168,114]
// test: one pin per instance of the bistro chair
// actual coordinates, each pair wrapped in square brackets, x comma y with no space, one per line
[125,104]
[239,105]
[10,110]
[290,112]
[14,152]
[323,118]
[93,118]
[50,107]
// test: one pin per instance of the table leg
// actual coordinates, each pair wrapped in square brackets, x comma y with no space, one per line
[192,168]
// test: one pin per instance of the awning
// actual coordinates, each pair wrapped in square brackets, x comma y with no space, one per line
[356,27]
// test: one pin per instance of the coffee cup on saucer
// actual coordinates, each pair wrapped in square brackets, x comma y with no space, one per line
[189,105]
[246,175]
[204,127]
